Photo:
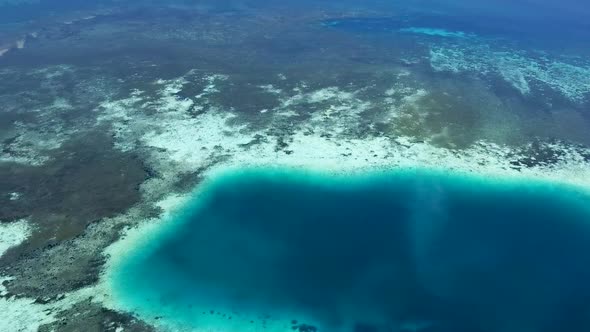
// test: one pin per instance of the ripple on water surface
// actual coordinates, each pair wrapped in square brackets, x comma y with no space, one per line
[283,250]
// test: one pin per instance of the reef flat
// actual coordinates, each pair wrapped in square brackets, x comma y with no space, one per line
[112,114]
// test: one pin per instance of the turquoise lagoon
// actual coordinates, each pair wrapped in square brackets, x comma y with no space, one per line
[403,250]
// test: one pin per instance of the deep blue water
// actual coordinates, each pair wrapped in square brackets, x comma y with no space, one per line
[536,29]
[545,15]
[370,253]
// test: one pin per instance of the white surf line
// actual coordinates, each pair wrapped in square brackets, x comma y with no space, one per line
[13,234]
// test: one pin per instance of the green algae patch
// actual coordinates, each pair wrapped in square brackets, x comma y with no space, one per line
[403,250]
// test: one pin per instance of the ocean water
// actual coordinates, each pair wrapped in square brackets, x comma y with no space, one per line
[535,31]
[182,86]
[403,250]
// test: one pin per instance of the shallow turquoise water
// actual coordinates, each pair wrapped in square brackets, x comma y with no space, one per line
[397,251]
